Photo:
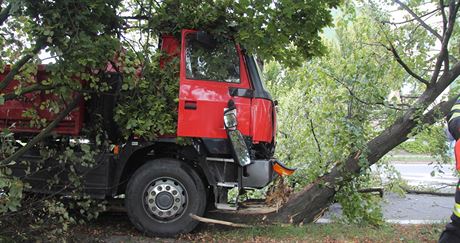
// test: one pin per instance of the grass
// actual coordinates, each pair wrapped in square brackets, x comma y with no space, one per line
[323,233]
[117,228]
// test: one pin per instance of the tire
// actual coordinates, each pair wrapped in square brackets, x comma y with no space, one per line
[162,194]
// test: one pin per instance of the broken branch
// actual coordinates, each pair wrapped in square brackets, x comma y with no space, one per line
[215,221]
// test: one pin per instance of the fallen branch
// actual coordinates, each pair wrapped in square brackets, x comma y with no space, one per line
[419,192]
[215,221]
[379,190]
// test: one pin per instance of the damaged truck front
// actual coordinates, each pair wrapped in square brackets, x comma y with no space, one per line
[224,112]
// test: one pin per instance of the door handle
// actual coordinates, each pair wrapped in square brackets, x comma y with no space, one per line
[190,105]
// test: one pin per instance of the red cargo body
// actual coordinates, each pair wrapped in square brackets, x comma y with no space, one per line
[11,112]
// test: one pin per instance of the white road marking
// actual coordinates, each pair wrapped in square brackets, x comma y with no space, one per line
[394,221]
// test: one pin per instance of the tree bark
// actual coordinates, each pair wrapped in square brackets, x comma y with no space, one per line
[5,13]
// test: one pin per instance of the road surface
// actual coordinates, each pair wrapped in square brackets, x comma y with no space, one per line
[420,174]
[414,208]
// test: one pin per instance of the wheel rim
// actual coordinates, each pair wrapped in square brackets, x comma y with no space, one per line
[165,199]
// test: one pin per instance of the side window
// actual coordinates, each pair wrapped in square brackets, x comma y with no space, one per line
[217,62]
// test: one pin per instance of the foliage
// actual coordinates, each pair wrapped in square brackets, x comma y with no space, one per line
[26,216]
[332,106]
[346,88]
[287,31]
[360,207]
[156,92]
[432,140]
[79,37]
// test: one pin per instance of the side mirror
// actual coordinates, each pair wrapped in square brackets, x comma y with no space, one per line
[206,40]
[239,147]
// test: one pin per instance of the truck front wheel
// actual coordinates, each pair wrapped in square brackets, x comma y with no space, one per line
[162,194]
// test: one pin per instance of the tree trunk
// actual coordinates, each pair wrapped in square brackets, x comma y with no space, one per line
[311,201]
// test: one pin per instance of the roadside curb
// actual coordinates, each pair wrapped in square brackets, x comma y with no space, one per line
[394,221]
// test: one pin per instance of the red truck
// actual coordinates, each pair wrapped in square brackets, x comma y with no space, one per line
[228,115]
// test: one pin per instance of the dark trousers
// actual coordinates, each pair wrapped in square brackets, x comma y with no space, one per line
[452,232]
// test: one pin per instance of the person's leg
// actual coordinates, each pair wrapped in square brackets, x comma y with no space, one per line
[452,232]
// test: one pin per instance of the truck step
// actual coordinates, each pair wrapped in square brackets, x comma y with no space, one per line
[220,159]
[227,184]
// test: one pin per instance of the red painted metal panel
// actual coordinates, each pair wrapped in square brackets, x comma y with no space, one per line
[171,46]
[262,120]
[211,98]
[11,111]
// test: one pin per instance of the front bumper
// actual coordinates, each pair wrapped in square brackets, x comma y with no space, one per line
[260,173]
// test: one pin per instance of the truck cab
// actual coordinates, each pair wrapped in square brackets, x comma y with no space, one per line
[224,111]
[212,72]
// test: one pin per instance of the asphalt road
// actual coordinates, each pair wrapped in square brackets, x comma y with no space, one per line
[415,208]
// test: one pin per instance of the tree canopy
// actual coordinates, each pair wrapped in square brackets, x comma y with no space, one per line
[288,31]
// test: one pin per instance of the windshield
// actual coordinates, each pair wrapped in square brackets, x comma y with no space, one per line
[217,63]
[255,72]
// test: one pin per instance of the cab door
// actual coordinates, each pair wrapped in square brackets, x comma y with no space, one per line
[211,73]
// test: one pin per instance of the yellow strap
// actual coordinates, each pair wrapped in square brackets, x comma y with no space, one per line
[455,115]
[457,210]
[455,107]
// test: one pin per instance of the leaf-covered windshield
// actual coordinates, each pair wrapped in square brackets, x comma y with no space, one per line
[219,62]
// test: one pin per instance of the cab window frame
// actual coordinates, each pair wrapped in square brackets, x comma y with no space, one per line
[186,63]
